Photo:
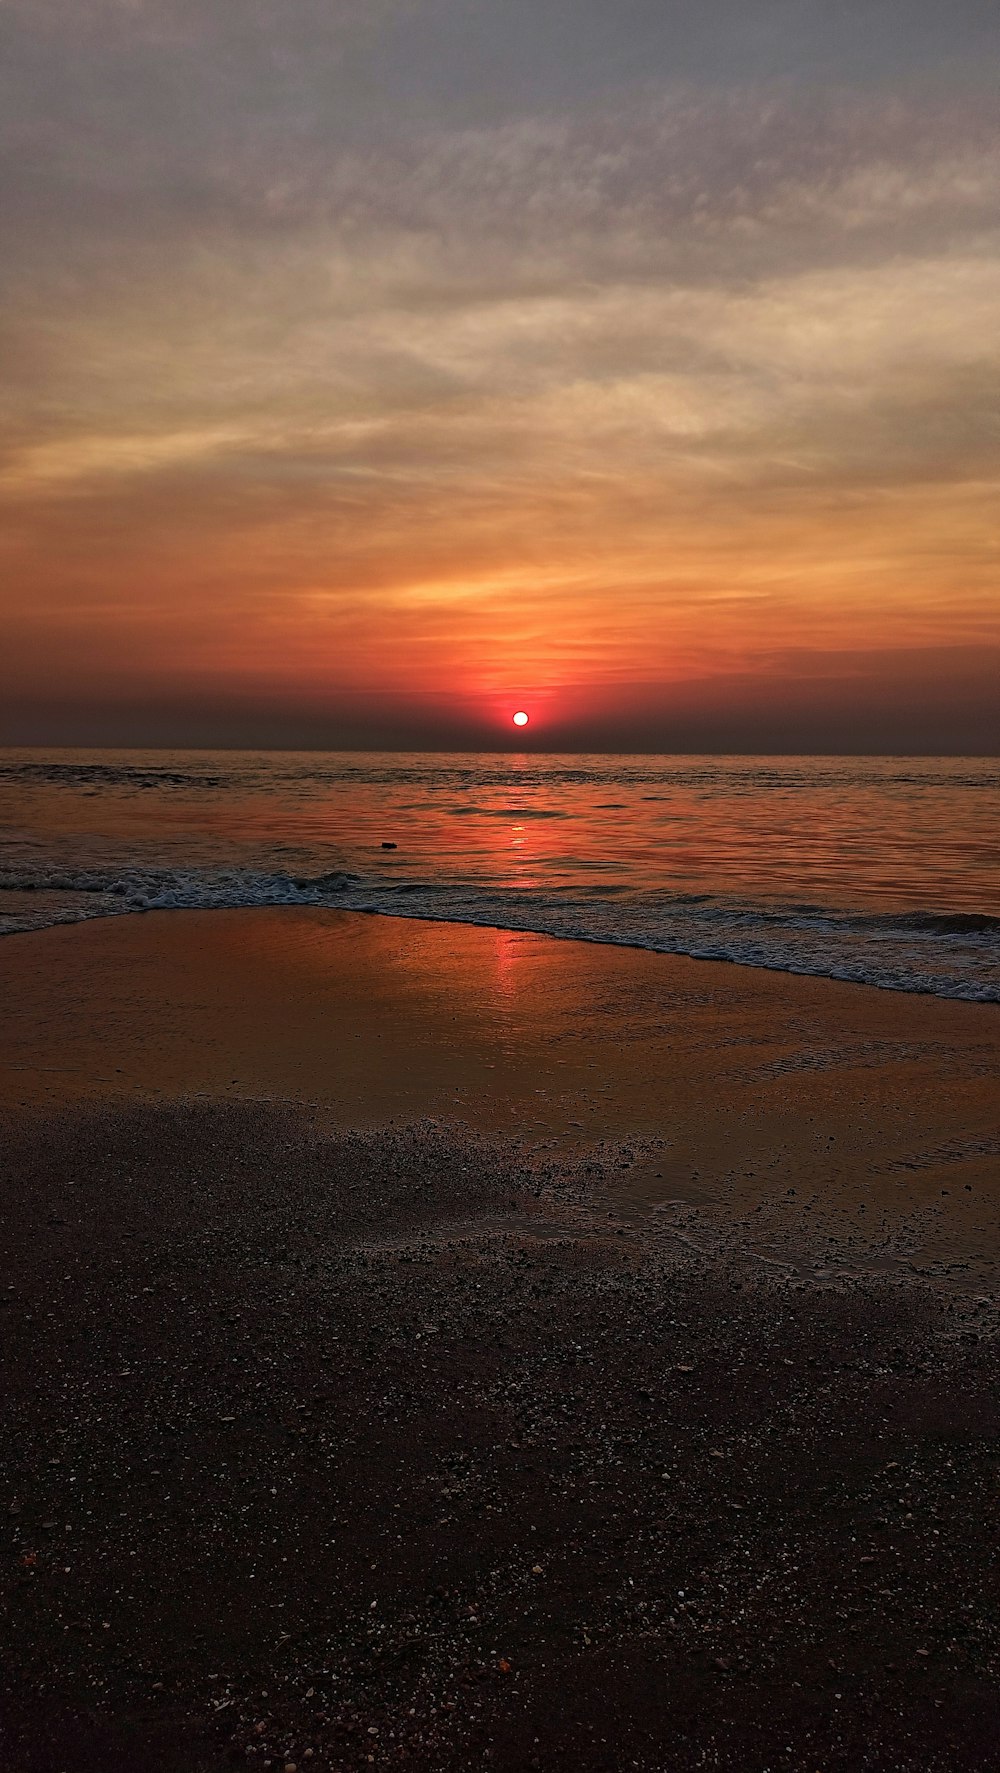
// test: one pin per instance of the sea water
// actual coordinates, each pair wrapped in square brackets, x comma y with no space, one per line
[885,871]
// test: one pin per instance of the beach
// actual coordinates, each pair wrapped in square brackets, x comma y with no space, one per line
[444,1346]
[730,1086]
[499,887]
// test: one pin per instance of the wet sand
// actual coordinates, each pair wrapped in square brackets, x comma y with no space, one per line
[784,1111]
[433,1347]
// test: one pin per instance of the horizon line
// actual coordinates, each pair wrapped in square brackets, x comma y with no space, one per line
[505,751]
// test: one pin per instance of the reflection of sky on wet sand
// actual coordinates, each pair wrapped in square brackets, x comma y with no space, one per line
[506,944]
[866,1104]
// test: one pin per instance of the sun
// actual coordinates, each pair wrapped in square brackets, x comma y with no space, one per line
[520,718]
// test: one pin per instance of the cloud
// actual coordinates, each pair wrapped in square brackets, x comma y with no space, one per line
[678,361]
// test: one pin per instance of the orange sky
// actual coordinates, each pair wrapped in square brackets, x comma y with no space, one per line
[660,404]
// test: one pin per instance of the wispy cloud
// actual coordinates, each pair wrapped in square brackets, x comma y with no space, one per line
[693,369]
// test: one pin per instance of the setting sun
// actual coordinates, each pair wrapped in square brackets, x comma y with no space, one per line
[372,358]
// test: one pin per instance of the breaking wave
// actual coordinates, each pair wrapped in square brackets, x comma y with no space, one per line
[953,955]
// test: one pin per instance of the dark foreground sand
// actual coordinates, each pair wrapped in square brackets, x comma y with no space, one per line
[346,1444]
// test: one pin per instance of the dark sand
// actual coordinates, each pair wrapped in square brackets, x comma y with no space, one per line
[566,1437]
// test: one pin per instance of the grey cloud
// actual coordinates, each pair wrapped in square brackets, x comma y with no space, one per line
[378,276]
[167,94]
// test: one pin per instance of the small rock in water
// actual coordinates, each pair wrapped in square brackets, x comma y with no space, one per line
[389,846]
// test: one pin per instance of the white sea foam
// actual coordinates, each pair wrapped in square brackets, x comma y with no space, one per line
[956,956]
[876,870]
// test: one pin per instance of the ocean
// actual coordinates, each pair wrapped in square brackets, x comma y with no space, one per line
[884,871]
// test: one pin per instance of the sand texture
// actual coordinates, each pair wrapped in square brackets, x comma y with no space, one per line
[366,1410]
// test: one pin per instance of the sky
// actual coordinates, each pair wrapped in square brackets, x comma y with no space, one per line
[370,369]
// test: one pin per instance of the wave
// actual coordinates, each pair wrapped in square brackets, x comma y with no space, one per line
[109,775]
[945,954]
[451,773]
[949,923]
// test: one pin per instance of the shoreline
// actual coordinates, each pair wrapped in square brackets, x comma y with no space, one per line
[433,1348]
[954,923]
[796,1110]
